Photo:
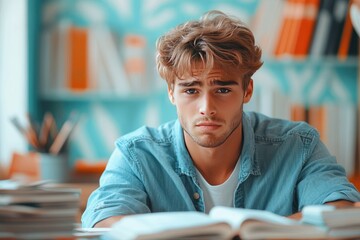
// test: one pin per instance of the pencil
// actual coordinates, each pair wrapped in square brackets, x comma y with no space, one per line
[45,130]
[28,136]
[63,134]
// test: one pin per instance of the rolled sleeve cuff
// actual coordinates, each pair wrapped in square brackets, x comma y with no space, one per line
[352,196]
[103,211]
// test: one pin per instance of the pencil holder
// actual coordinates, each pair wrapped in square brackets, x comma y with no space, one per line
[54,167]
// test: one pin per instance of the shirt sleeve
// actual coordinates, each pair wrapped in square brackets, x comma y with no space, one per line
[321,179]
[121,191]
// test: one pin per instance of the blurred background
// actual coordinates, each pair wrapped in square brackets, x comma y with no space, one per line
[77,74]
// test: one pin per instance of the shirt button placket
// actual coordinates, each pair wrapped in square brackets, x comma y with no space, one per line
[196,196]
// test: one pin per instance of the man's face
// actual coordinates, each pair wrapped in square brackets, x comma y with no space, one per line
[210,107]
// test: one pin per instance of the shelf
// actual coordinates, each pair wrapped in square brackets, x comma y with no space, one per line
[309,60]
[91,96]
[311,80]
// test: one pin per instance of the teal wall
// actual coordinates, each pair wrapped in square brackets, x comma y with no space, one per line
[105,117]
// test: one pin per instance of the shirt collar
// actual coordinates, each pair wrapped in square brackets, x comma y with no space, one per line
[249,164]
[184,162]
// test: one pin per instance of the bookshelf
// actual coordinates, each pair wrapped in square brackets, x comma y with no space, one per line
[107,114]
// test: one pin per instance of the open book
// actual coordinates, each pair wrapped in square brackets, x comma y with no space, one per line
[221,223]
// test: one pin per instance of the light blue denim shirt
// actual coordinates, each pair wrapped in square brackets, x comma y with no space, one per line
[284,166]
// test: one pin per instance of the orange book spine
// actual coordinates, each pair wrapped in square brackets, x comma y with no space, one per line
[298,113]
[286,28]
[78,59]
[317,119]
[307,23]
[298,11]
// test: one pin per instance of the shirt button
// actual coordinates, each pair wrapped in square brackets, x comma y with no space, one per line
[196,196]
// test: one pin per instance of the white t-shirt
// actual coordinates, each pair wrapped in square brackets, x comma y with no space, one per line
[219,195]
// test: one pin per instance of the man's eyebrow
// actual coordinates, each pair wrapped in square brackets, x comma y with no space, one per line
[189,83]
[213,83]
[224,83]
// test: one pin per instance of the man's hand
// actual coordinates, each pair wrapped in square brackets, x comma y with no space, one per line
[108,222]
[342,203]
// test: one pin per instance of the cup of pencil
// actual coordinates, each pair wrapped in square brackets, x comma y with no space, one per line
[50,142]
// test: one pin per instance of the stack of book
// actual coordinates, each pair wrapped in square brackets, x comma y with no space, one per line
[37,211]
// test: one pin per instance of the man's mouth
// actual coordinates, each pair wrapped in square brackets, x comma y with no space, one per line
[208,125]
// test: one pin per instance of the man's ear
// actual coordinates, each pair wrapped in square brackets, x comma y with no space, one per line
[248,91]
[171,94]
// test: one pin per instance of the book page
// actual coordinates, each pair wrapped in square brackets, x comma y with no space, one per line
[260,224]
[265,230]
[236,216]
[168,224]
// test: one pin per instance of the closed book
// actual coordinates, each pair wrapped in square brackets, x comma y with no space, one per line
[354,44]
[267,23]
[338,16]
[112,68]
[322,29]
[287,28]
[78,78]
[331,217]
[307,23]
[317,119]
[298,112]
[346,34]
[37,210]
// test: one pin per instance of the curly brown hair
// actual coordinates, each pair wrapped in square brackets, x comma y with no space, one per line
[215,39]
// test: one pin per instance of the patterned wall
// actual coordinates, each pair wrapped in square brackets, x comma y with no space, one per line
[311,81]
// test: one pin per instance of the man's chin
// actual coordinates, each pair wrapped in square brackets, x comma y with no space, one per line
[208,143]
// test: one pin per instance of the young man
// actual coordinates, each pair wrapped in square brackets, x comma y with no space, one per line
[215,154]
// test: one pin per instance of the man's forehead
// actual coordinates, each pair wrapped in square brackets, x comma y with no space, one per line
[214,73]
[205,73]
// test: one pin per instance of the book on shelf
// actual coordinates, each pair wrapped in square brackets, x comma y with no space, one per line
[111,69]
[227,223]
[266,27]
[338,17]
[135,61]
[286,28]
[322,28]
[354,45]
[308,11]
[79,59]
[298,112]
[345,39]
[298,9]
[60,56]
[316,117]
[341,141]
[298,28]
[78,78]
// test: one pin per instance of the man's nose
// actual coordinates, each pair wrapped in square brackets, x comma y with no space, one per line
[207,106]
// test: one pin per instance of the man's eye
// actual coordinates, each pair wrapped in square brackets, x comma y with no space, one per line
[223,90]
[190,91]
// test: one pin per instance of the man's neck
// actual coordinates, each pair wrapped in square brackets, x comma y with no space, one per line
[216,164]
